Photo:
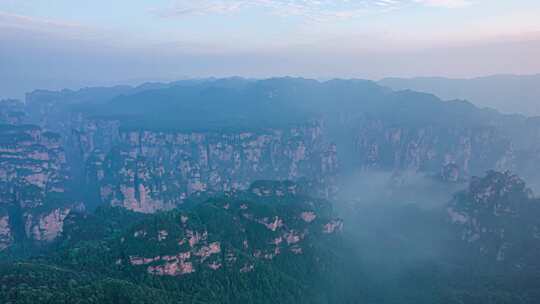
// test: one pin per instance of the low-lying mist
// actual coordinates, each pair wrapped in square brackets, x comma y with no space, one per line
[374,187]
[394,223]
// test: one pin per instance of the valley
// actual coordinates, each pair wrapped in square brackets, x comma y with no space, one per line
[286,189]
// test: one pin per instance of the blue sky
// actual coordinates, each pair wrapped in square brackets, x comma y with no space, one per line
[57,43]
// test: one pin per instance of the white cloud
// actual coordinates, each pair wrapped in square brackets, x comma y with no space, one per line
[187,7]
[8,20]
[315,9]
[30,28]
[445,3]
[311,9]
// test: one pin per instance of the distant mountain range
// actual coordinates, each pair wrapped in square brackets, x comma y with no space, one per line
[506,93]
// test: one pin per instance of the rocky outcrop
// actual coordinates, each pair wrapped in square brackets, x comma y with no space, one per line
[46,226]
[236,232]
[499,217]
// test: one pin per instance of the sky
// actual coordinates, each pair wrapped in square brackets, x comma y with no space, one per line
[54,44]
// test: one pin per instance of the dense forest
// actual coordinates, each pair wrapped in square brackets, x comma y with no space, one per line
[94,259]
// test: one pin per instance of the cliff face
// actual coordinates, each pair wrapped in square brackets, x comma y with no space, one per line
[6,234]
[148,171]
[31,159]
[453,153]
[33,176]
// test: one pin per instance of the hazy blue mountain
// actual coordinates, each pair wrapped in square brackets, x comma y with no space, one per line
[506,93]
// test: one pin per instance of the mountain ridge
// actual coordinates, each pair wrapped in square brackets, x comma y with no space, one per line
[513,94]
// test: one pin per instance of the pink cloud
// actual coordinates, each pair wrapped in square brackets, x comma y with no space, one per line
[445,3]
